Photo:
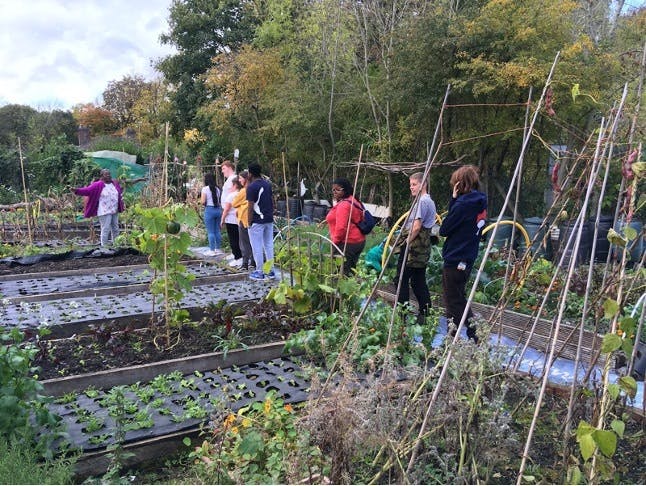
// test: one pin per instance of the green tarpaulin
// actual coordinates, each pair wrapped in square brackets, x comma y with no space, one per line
[124,170]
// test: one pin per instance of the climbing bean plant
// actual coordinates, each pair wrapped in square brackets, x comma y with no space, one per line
[162,238]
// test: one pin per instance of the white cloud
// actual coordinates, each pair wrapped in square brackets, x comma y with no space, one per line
[57,53]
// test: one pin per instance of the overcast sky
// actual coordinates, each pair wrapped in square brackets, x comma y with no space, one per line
[57,53]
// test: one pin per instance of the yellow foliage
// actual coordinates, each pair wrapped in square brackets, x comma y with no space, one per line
[192,136]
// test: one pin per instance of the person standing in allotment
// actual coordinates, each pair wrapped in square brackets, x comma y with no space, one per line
[104,200]
[229,218]
[342,223]
[417,230]
[240,204]
[210,197]
[260,206]
[462,228]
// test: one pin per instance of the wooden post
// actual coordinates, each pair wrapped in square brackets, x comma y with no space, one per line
[24,190]
[289,239]
[165,169]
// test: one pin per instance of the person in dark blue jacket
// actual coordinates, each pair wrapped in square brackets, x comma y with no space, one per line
[462,227]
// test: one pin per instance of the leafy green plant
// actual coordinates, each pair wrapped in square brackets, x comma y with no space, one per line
[94,424]
[256,445]
[410,341]
[223,313]
[116,451]
[23,409]
[599,442]
[165,245]
[21,464]
[91,392]
[314,270]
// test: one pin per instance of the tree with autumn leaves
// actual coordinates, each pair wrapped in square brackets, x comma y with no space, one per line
[318,80]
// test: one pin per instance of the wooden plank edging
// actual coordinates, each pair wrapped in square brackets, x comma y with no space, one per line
[144,373]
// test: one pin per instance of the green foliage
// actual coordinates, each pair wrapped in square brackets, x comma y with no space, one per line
[410,339]
[23,409]
[120,98]
[258,445]
[119,409]
[166,249]
[21,464]
[314,270]
[596,439]
[52,167]
[199,31]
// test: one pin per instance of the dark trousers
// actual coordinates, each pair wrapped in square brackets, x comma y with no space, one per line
[454,283]
[352,252]
[245,246]
[234,240]
[416,278]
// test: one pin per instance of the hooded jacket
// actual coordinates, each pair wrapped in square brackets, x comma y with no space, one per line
[462,227]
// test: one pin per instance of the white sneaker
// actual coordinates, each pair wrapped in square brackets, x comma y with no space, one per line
[210,253]
[230,257]
[217,251]
[236,263]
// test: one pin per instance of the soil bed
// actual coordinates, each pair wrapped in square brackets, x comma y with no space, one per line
[108,345]
[73,264]
[104,347]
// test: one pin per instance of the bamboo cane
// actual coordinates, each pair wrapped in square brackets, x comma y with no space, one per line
[165,169]
[24,190]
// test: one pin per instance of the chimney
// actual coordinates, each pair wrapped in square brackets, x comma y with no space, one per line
[84,136]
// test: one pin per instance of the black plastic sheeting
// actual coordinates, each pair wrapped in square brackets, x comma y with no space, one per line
[69,255]
[170,411]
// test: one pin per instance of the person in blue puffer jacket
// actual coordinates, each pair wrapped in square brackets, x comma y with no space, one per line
[462,228]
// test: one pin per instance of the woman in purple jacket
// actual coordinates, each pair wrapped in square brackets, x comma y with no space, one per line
[105,200]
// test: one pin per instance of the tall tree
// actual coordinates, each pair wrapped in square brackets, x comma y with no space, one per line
[14,123]
[51,124]
[200,30]
[120,98]
[99,120]
[152,110]
[244,81]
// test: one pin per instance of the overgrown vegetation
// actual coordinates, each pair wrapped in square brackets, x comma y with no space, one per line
[311,85]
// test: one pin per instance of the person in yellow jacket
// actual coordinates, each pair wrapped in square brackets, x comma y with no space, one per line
[239,202]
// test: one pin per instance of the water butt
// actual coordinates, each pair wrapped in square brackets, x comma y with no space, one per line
[583,254]
[320,211]
[602,247]
[541,246]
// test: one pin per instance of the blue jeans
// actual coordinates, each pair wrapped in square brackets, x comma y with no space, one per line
[212,217]
[261,237]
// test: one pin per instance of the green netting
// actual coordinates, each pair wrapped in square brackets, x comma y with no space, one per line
[124,170]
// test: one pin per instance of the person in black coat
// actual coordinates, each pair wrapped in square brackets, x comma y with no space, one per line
[462,228]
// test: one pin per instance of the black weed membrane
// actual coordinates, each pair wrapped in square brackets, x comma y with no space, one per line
[174,402]
[68,255]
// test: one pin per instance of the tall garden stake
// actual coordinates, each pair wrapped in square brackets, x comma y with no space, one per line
[289,240]
[24,190]
[165,170]
[608,154]
[578,229]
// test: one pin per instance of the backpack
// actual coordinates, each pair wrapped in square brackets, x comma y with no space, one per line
[367,224]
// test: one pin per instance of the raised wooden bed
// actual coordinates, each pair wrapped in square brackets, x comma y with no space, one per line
[132,374]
